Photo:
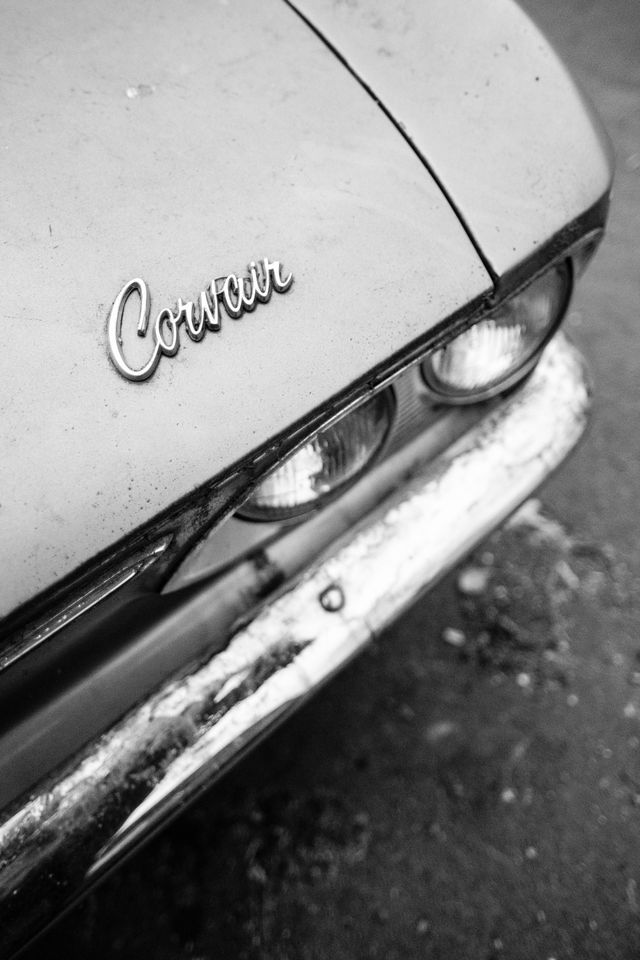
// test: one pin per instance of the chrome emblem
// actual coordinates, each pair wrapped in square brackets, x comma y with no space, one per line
[237,295]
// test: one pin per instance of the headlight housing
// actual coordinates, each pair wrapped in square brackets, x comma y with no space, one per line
[325,465]
[502,347]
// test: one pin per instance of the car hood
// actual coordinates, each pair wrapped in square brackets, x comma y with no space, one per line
[487,103]
[176,148]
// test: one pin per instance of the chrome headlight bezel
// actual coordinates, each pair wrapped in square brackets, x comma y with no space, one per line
[316,445]
[517,370]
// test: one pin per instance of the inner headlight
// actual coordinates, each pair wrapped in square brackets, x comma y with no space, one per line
[325,465]
[501,348]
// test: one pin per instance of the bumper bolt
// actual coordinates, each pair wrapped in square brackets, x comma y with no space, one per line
[332,599]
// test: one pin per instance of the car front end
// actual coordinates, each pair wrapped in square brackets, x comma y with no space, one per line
[291,352]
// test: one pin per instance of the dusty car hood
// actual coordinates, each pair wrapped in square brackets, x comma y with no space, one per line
[489,105]
[177,147]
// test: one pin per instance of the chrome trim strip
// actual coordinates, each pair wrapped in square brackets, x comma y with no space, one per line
[72,828]
[83,602]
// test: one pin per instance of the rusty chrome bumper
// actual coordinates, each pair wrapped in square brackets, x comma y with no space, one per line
[76,825]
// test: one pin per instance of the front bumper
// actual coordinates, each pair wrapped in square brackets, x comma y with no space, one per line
[73,827]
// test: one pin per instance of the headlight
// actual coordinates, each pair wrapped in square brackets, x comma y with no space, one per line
[330,461]
[501,348]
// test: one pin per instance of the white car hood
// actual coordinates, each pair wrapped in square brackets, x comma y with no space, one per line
[488,104]
[176,144]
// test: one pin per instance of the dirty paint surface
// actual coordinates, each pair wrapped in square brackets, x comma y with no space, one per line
[127,156]
[484,99]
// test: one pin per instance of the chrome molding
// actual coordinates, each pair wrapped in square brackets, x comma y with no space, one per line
[83,602]
[76,825]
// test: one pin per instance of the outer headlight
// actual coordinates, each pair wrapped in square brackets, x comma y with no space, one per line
[501,348]
[330,461]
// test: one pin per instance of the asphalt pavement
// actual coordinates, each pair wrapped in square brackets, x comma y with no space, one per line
[469,788]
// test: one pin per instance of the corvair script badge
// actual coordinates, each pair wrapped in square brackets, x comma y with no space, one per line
[237,295]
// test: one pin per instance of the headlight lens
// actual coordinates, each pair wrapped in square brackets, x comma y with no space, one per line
[331,460]
[501,348]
